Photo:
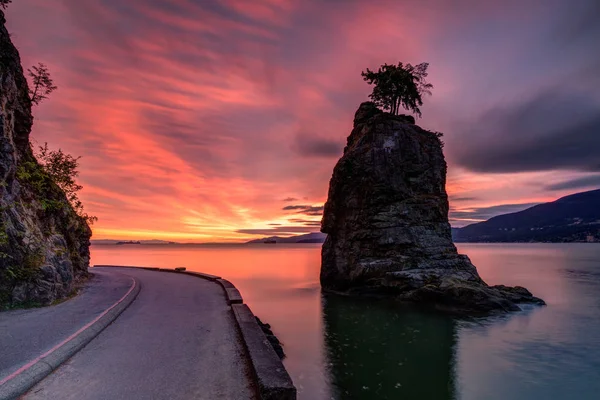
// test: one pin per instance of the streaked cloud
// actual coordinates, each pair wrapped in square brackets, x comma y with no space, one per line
[478,214]
[550,131]
[587,182]
[194,118]
[304,209]
[308,146]
[280,230]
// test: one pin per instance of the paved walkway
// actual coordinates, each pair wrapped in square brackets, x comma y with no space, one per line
[26,334]
[178,340]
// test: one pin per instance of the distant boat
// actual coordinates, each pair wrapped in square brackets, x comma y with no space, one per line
[270,241]
[129,242]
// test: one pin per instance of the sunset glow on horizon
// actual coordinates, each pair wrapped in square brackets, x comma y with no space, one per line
[206,121]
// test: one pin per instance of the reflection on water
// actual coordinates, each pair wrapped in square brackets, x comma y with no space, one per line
[376,352]
[344,348]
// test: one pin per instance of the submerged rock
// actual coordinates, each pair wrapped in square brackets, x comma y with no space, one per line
[273,340]
[386,219]
[44,244]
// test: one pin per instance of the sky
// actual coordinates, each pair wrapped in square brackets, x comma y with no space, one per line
[202,121]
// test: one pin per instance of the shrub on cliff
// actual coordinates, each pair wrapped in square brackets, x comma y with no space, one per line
[399,85]
[62,169]
[43,84]
[44,244]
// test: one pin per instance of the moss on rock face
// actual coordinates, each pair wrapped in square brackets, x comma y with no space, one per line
[44,244]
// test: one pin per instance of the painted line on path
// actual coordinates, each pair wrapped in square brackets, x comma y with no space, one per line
[21,380]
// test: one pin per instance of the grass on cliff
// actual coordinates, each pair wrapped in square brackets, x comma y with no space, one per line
[14,272]
[31,174]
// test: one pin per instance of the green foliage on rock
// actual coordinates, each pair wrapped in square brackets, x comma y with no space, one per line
[33,175]
[50,187]
[62,168]
[15,271]
[58,168]
[44,234]
[439,135]
[3,236]
[399,85]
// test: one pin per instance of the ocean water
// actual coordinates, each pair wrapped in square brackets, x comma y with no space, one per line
[340,348]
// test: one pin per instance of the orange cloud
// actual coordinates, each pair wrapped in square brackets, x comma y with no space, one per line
[195,119]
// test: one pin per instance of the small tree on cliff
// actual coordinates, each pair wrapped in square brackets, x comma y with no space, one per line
[58,165]
[43,84]
[399,85]
[5,3]
[62,168]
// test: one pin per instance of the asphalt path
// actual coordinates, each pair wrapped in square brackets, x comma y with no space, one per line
[177,340]
[26,334]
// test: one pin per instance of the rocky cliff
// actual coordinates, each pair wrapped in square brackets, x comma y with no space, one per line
[44,244]
[386,217]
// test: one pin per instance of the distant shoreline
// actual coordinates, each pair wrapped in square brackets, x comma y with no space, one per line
[197,244]
[293,243]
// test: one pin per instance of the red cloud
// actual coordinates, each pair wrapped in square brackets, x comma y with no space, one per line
[187,114]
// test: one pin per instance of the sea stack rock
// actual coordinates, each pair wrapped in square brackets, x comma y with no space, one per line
[44,244]
[386,219]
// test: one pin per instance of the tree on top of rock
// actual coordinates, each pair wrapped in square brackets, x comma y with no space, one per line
[399,85]
[43,84]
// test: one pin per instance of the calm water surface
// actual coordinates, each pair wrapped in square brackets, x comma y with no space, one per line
[340,348]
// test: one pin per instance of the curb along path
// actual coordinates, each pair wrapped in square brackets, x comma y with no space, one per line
[274,383]
[37,369]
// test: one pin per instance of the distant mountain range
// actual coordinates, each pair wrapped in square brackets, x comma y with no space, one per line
[574,218]
[314,237]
